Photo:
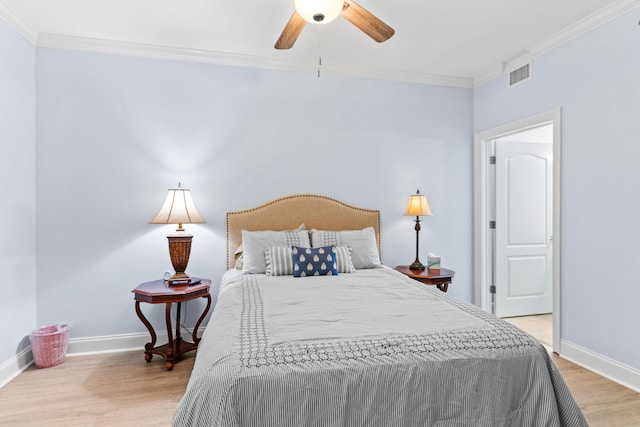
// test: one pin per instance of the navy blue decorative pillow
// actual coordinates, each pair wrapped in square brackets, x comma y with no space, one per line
[314,261]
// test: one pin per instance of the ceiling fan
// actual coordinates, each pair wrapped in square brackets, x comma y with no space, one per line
[324,11]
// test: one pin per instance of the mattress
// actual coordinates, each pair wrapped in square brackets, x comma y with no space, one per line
[369,348]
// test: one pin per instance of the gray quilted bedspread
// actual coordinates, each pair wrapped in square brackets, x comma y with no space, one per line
[372,348]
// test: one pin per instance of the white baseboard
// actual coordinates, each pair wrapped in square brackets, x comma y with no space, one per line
[14,366]
[601,365]
[84,346]
[111,343]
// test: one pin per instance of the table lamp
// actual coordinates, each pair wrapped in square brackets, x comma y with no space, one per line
[418,206]
[178,208]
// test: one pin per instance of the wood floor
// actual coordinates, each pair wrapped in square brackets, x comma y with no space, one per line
[116,389]
[120,389]
[539,327]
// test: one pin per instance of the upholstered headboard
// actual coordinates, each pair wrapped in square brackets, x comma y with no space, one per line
[287,213]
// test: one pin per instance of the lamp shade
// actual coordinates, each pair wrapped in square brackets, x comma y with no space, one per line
[178,208]
[418,205]
[318,11]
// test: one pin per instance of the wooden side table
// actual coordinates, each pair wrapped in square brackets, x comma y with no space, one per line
[159,292]
[441,278]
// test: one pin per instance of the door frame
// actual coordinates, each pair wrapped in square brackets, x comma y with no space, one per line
[482,241]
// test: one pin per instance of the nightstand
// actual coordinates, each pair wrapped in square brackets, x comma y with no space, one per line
[159,292]
[441,278]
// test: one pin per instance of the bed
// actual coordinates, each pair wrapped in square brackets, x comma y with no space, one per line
[361,346]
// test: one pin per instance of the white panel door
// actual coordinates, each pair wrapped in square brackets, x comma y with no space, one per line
[523,228]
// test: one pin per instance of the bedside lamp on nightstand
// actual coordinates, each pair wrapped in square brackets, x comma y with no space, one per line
[418,206]
[178,208]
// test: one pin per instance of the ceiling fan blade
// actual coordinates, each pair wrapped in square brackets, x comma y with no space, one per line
[291,32]
[366,21]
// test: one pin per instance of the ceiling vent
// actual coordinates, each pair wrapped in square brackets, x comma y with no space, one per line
[518,69]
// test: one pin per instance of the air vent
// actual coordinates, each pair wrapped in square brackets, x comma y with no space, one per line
[520,74]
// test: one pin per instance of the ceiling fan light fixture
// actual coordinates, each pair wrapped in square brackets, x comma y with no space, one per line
[318,11]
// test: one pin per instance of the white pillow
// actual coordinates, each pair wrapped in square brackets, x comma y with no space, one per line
[344,261]
[364,248]
[238,257]
[279,261]
[254,243]
[238,254]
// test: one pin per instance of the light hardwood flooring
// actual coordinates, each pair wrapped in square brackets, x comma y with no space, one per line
[121,389]
[540,327]
[116,389]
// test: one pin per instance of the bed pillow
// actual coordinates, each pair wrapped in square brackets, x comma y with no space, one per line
[344,262]
[279,261]
[239,253]
[314,261]
[255,243]
[362,243]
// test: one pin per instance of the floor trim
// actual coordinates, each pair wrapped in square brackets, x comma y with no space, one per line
[615,371]
[14,366]
[111,343]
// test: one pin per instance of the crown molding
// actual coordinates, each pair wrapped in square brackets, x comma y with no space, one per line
[58,41]
[568,34]
[18,24]
[584,26]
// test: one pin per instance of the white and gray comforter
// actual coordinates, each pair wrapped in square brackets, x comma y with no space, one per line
[372,348]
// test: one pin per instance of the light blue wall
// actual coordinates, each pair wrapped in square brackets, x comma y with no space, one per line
[18,209]
[115,132]
[595,79]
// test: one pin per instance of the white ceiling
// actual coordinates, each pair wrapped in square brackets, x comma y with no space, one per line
[451,42]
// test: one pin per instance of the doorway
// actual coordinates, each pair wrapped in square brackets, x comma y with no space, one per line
[502,264]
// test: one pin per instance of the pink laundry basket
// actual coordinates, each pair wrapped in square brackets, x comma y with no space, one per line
[49,345]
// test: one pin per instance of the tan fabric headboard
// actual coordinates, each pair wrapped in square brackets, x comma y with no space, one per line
[287,213]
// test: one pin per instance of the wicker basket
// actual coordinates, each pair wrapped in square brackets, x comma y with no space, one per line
[49,345]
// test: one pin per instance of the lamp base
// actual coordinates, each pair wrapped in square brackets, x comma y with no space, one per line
[179,279]
[179,251]
[417,265]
